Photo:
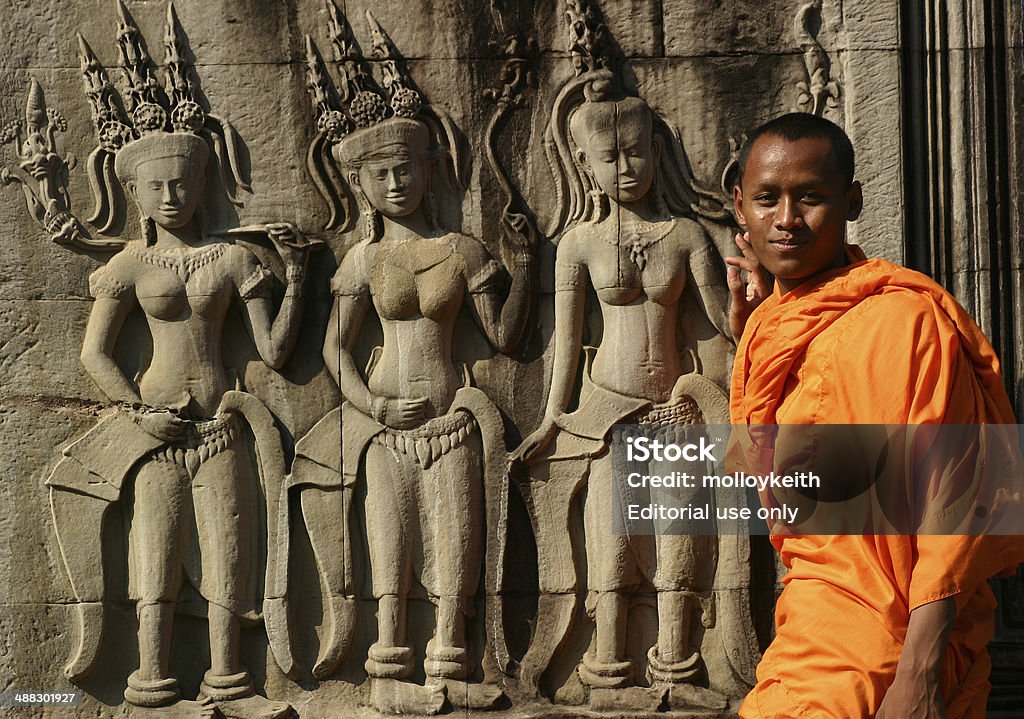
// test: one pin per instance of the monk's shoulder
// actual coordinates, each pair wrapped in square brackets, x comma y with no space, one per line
[890,314]
[881,355]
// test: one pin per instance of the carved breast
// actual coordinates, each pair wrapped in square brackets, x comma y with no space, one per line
[418,278]
[174,284]
[619,279]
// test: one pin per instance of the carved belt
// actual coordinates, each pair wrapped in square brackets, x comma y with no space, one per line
[204,439]
[681,410]
[432,439]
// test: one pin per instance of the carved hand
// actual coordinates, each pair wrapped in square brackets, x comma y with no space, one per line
[404,413]
[745,297]
[163,425]
[290,243]
[537,442]
[519,232]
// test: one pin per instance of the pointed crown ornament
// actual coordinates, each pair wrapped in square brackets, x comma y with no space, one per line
[165,121]
[599,94]
[358,120]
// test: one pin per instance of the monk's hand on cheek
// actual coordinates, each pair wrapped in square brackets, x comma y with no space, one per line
[746,295]
[916,691]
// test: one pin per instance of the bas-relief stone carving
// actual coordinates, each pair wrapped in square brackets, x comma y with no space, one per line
[49,204]
[413,430]
[414,439]
[632,227]
[203,512]
[820,90]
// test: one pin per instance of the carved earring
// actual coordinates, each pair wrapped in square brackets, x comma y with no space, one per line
[430,205]
[660,206]
[370,218]
[148,230]
[601,202]
[199,221]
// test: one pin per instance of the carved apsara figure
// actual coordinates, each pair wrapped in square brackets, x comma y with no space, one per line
[427,444]
[175,454]
[629,227]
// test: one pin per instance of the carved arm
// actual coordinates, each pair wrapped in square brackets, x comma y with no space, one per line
[342,330]
[504,320]
[705,276]
[105,322]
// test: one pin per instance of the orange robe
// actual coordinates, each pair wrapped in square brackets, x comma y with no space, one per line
[870,343]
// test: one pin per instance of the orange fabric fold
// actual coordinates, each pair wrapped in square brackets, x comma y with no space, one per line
[870,343]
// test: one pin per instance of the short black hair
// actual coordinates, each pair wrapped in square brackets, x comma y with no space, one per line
[798,126]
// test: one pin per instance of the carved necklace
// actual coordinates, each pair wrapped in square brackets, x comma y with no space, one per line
[640,238]
[184,262]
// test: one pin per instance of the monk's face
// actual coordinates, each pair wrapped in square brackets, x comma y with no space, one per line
[795,202]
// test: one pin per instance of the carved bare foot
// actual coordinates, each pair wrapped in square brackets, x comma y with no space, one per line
[236,699]
[390,696]
[628,699]
[253,707]
[464,695]
[181,709]
[690,696]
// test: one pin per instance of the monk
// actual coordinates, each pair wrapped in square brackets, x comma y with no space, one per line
[886,626]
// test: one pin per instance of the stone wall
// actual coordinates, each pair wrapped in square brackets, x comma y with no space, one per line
[491,78]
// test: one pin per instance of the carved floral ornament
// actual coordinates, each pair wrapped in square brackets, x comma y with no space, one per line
[151,108]
[358,118]
[41,161]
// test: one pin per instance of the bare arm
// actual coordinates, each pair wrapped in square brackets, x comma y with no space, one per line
[570,301]
[504,320]
[101,333]
[342,330]
[706,276]
[105,322]
[916,692]
[275,336]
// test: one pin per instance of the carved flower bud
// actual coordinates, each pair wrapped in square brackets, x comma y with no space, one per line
[114,135]
[10,132]
[57,120]
[334,125]
[149,117]
[188,117]
[406,102]
[367,108]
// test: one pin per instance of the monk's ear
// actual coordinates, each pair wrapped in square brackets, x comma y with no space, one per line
[737,204]
[854,201]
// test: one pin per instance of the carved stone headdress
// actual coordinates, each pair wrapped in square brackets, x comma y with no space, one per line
[164,121]
[599,80]
[358,120]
